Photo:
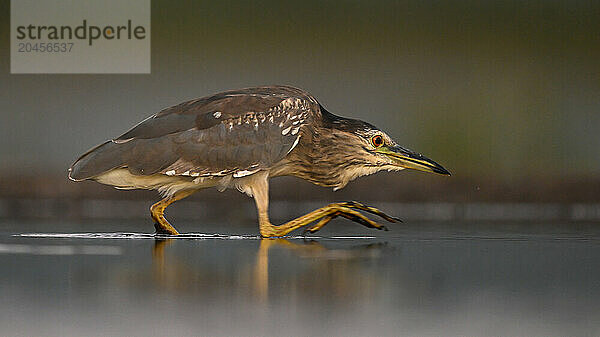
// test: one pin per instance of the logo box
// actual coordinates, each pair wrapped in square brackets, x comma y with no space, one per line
[80,36]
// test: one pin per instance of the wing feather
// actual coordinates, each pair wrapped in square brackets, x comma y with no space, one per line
[235,132]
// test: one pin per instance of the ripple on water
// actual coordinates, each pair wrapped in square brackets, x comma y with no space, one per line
[146,236]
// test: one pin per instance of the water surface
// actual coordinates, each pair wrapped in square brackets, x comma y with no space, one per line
[419,279]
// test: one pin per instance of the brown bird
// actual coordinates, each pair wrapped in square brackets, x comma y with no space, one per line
[240,139]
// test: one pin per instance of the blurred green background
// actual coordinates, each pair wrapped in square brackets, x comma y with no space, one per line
[505,94]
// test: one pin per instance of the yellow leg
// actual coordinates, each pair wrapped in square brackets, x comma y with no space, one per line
[351,204]
[260,191]
[157,211]
[325,214]
[324,221]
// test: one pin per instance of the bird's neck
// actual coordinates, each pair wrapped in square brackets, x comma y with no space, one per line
[327,159]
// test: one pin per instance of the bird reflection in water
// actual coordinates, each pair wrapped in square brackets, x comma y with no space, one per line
[279,268]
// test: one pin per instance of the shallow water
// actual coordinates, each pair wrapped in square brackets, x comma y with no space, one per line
[419,279]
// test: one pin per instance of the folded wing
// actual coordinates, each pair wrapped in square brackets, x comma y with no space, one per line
[235,132]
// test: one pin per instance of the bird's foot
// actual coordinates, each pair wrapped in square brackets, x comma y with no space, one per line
[372,210]
[345,209]
[323,215]
[165,229]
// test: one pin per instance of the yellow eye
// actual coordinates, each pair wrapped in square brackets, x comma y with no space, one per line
[377,140]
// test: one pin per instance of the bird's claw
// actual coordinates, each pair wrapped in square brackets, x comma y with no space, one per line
[307,231]
[372,210]
[379,226]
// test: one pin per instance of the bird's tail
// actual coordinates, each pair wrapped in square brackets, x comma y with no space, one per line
[98,160]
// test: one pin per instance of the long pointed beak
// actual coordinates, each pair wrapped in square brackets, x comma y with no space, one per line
[411,160]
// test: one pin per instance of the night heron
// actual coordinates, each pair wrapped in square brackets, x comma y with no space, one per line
[240,139]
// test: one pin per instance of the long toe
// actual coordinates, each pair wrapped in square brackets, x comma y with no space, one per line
[372,210]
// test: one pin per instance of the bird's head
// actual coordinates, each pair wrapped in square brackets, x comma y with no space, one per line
[371,149]
[381,150]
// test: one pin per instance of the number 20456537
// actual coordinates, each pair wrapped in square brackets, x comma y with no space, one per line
[45,47]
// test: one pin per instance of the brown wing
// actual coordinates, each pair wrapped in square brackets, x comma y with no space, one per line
[234,132]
